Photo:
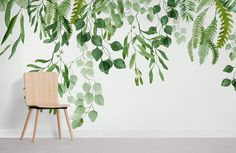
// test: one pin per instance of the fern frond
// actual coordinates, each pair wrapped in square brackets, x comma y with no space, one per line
[76,12]
[214,50]
[211,30]
[50,12]
[190,49]
[204,3]
[197,25]
[67,27]
[203,47]
[229,4]
[226,24]
[64,7]
[187,9]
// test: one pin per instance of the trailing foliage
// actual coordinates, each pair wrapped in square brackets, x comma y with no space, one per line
[96,23]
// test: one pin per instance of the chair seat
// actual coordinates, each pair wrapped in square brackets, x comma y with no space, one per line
[58,106]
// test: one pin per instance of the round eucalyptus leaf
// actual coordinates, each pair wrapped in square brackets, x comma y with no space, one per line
[119,63]
[97,40]
[226,82]
[80,95]
[88,98]
[93,115]
[164,20]
[116,46]
[80,109]
[136,7]
[79,62]
[97,88]
[86,87]
[99,100]
[97,53]
[77,123]
[70,99]
[90,72]
[130,19]
[89,64]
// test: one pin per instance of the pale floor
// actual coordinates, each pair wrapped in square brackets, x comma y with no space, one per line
[165,145]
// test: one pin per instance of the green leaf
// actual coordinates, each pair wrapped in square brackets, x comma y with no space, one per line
[93,115]
[97,88]
[166,41]
[97,53]
[136,7]
[226,82]
[228,69]
[105,66]
[151,30]
[116,46]
[97,40]
[4,50]
[163,54]
[77,123]
[9,29]
[14,47]
[88,98]
[171,3]
[173,14]
[73,79]
[168,30]
[79,62]
[82,38]
[99,100]
[161,75]
[130,19]
[164,20]
[86,87]
[79,24]
[22,29]
[80,109]
[132,60]
[150,76]
[41,61]
[57,47]
[33,66]
[8,12]
[100,23]
[51,68]
[162,63]
[119,63]
[70,99]
[156,9]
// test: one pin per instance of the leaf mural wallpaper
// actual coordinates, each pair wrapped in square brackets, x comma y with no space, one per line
[96,23]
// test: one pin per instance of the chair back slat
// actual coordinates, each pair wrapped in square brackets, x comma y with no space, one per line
[41,88]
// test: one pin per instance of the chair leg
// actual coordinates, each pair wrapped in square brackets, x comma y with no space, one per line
[59,123]
[26,124]
[69,125]
[35,125]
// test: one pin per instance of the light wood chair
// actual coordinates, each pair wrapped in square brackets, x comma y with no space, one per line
[41,92]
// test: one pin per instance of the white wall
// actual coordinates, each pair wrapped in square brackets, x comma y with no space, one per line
[190,103]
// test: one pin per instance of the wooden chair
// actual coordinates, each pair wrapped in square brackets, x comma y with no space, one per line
[41,92]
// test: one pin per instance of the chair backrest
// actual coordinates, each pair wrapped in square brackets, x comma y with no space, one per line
[41,88]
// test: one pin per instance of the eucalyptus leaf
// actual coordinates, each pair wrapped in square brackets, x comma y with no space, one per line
[99,100]
[93,115]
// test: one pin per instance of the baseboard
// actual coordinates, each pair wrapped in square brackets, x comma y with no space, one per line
[126,134]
